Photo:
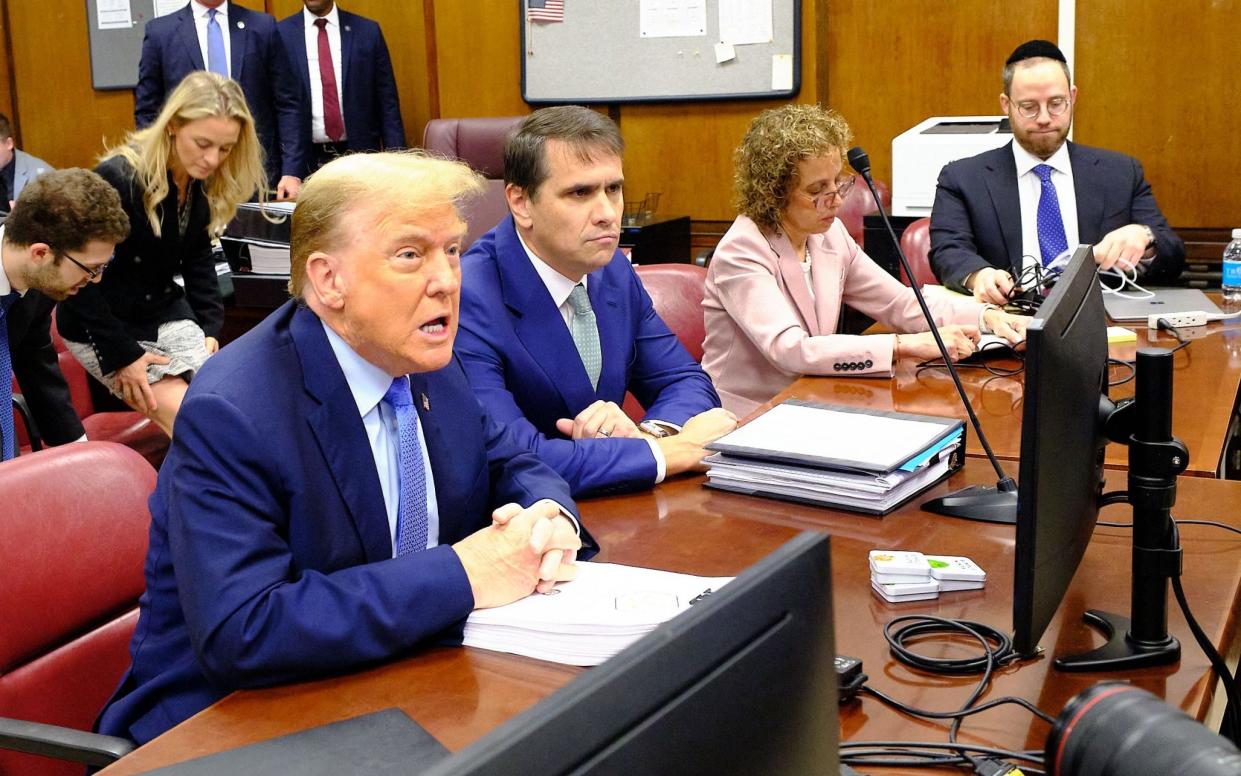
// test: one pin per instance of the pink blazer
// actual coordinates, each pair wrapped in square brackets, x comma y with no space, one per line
[764,330]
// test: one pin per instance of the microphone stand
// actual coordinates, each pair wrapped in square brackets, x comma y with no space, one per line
[996,504]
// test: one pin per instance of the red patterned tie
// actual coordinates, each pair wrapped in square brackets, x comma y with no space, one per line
[333,124]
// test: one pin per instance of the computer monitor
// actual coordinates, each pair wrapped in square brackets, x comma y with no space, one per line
[1067,422]
[1062,443]
[743,682]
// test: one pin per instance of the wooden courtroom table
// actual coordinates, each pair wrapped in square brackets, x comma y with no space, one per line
[1207,376]
[459,694]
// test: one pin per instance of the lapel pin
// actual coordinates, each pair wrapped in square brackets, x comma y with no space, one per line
[348,28]
[241,25]
[426,403]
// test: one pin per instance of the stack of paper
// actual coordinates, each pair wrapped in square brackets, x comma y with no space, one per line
[900,575]
[588,620]
[842,457]
[269,259]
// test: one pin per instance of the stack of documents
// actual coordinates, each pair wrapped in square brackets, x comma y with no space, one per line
[844,457]
[588,620]
[261,233]
[900,575]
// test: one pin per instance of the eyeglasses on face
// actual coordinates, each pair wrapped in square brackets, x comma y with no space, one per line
[822,197]
[91,274]
[1031,108]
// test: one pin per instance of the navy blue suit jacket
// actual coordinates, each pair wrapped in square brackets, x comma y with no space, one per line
[170,52]
[976,219]
[371,108]
[270,555]
[523,364]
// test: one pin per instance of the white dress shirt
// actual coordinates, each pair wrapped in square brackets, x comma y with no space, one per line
[318,131]
[201,13]
[1030,189]
[368,384]
[560,287]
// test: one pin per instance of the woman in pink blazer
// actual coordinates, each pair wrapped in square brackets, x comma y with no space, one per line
[780,274]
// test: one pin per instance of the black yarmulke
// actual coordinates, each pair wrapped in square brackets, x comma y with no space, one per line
[1036,48]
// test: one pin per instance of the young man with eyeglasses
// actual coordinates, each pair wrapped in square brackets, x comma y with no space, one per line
[1001,212]
[59,237]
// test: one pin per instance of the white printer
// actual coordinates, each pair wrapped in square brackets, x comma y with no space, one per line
[919,154]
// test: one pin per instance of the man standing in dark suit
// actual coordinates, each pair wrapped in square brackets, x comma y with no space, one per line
[334,494]
[59,237]
[1027,204]
[556,326]
[349,99]
[243,45]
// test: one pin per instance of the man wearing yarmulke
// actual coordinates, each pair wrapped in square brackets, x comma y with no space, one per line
[1032,201]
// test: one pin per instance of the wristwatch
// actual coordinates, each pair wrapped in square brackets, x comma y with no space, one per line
[657,429]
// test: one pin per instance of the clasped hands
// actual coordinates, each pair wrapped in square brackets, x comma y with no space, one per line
[524,550]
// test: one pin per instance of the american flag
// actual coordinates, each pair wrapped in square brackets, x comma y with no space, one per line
[545,10]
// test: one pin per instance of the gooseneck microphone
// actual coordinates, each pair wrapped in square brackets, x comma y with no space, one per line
[988,504]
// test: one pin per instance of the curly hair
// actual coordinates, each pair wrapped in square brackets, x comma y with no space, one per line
[67,209]
[765,164]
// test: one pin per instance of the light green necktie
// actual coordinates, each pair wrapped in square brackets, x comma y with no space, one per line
[585,333]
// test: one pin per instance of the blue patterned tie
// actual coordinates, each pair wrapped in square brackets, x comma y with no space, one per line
[585,333]
[8,434]
[411,515]
[1051,239]
[217,61]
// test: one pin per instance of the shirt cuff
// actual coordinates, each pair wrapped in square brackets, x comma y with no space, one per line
[577,527]
[983,328]
[661,466]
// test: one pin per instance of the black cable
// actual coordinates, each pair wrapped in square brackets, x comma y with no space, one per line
[1008,699]
[1128,364]
[1210,523]
[1165,325]
[894,748]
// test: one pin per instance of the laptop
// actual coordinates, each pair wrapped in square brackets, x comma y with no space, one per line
[1136,306]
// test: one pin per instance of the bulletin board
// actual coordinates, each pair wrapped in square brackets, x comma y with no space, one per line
[115,50]
[599,54]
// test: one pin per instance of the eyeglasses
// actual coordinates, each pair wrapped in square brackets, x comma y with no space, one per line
[91,274]
[1031,108]
[824,196]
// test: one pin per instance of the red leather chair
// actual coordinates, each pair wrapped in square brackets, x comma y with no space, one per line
[916,245]
[72,548]
[676,292]
[126,427]
[480,144]
[859,203]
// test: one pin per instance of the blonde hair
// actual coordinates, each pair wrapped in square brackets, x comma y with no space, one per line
[765,164]
[408,182]
[202,94]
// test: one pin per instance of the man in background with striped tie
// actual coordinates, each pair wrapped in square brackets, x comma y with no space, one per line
[1019,209]
[334,494]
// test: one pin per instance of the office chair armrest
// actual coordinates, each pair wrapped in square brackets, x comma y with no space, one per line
[62,743]
[32,431]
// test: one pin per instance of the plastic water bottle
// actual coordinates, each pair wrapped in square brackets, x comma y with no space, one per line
[1232,272]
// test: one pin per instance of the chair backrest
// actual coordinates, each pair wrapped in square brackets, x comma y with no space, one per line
[676,292]
[74,537]
[480,144]
[859,203]
[916,245]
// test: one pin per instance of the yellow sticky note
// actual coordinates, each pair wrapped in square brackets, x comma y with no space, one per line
[1118,335]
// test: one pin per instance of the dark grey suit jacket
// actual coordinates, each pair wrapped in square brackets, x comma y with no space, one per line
[976,220]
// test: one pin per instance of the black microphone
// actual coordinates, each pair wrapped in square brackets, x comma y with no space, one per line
[977,502]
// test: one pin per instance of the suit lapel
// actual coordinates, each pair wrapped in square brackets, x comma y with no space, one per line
[189,39]
[239,37]
[346,51]
[341,436]
[297,54]
[538,323]
[1002,186]
[440,451]
[795,281]
[1089,194]
[615,339]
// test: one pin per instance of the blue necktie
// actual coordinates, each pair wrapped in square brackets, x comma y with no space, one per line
[411,515]
[1051,239]
[8,434]
[217,61]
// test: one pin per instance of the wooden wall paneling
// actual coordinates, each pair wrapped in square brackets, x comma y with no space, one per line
[478,47]
[7,106]
[405,32]
[1171,100]
[892,64]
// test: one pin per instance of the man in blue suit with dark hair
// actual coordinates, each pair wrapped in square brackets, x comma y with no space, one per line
[349,97]
[1010,211]
[334,494]
[243,45]
[556,327]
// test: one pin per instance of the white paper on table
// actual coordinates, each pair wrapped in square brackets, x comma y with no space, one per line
[745,21]
[114,15]
[165,7]
[672,18]
[781,72]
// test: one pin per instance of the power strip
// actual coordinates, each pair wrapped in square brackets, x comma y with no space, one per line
[1177,320]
